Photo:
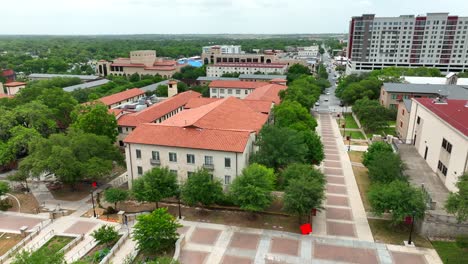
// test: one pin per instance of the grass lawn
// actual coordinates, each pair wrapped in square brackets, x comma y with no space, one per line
[355,156]
[354,134]
[363,183]
[391,123]
[384,232]
[57,242]
[7,241]
[350,122]
[449,252]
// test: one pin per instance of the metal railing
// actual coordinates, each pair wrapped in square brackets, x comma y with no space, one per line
[72,243]
[114,249]
[42,241]
[21,244]
[82,251]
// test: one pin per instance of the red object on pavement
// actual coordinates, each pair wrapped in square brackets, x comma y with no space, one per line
[94,184]
[306,229]
[408,220]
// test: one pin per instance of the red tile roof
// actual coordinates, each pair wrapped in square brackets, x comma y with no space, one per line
[455,113]
[8,72]
[14,84]
[122,96]
[158,110]
[249,65]
[115,112]
[197,102]
[165,63]
[160,68]
[268,92]
[138,65]
[259,105]
[195,138]
[228,113]
[236,84]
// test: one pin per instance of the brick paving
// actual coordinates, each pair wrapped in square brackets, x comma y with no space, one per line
[340,229]
[14,223]
[227,259]
[337,189]
[193,257]
[345,254]
[333,171]
[205,236]
[407,258]
[244,241]
[335,180]
[80,227]
[339,214]
[337,200]
[285,246]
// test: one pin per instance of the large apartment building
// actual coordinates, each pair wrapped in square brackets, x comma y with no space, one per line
[436,40]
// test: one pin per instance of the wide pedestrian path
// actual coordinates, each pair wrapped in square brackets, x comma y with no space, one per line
[344,214]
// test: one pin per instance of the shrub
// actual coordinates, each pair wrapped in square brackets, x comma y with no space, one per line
[106,234]
[462,241]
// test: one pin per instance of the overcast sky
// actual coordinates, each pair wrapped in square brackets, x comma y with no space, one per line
[203,16]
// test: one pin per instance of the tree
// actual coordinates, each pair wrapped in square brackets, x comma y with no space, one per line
[155,185]
[36,115]
[457,203]
[293,115]
[115,195]
[372,115]
[201,189]
[156,232]
[303,194]
[71,157]
[162,91]
[61,103]
[386,167]
[279,146]
[41,256]
[296,170]
[397,198]
[373,149]
[105,235]
[22,137]
[96,119]
[315,153]
[134,77]
[252,189]
[4,188]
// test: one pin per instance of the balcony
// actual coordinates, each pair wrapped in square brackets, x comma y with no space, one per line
[208,166]
[155,162]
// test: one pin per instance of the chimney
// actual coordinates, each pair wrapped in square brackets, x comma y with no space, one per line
[171,88]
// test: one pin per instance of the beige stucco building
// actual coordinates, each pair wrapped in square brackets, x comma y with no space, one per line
[217,70]
[142,62]
[12,88]
[402,121]
[439,131]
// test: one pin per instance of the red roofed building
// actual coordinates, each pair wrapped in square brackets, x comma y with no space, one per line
[142,62]
[269,92]
[239,89]
[438,128]
[118,99]
[156,113]
[13,88]
[218,69]
[9,75]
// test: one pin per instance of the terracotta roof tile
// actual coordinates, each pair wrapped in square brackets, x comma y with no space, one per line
[197,102]
[259,105]
[14,84]
[250,65]
[455,113]
[236,84]
[118,97]
[228,113]
[268,92]
[158,110]
[195,138]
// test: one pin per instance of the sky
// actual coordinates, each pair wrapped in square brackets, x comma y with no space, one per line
[79,17]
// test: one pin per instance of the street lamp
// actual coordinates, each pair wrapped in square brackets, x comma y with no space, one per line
[411,230]
[92,201]
[178,203]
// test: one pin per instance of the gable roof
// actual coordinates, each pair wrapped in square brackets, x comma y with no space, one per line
[228,113]
[259,105]
[266,77]
[118,97]
[158,110]
[14,84]
[197,102]
[454,112]
[268,92]
[451,91]
[195,138]
[236,84]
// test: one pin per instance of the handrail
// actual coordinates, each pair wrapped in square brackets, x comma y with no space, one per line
[114,249]
[79,254]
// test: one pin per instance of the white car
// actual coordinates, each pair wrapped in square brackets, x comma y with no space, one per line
[328,93]
[317,103]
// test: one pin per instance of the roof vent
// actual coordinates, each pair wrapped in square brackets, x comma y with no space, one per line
[466,104]
[440,100]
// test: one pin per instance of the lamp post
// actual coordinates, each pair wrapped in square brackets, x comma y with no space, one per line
[349,142]
[411,229]
[178,203]
[92,201]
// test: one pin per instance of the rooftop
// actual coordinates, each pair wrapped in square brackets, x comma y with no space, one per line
[153,86]
[189,137]
[197,102]
[118,97]
[261,76]
[407,103]
[425,80]
[236,84]
[205,78]
[269,92]
[229,113]
[14,84]
[82,77]
[454,112]
[150,114]
[451,91]
[86,85]
[249,65]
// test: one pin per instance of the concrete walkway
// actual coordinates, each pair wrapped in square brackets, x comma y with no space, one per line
[344,214]
[207,243]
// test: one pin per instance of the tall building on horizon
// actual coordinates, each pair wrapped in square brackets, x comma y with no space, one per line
[435,40]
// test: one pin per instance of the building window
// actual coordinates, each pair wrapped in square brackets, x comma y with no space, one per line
[401,123]
[214,90]
[221,91]
[227,162]
[172,156]
[119,129]
[227,179]
[140,170]
[229,91]
[442,168]
[246,92]
[138,154]
[446,145]
[402,111]
[394,96]
[208,160]
[237,91]
[418,120]
[174,171]
[155,155]
[190,158]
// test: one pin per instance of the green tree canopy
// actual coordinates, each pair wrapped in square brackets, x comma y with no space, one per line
[373,149]
[96,119]
[293,115]
[296,170]
[105,235]
[201,189]
[115,195]
[4,188]
[252,189]
[42,256]
[372,115]
[156,232]
[155,185]
[71,157]
[315,153]
[279,146]
[397,198]
[457,203]
[61,103]
[386,167]
[38,116]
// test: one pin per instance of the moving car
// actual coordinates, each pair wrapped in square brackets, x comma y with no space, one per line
[317,103]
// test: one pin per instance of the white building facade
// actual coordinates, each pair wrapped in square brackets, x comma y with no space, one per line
[435,40]
[217,70]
